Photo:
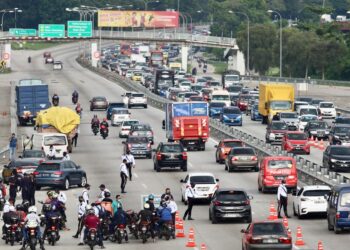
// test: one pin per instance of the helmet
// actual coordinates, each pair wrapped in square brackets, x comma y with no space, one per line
[47,207]
[151,197]
[146,206]
[25,204]
[12,209]
[88,207]
[105,119]
[19,207]
[32,209]
[55,97]
[107,194]
[54,195]
[49,193]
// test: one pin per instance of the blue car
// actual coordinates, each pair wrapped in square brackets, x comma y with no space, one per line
[215,109]
[113,105]
[254,113]
[231,116]
[338,209]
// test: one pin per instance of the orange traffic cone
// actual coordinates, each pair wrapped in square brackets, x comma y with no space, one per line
[299,241]
[180,231]
[191,242]
[203,247]
[177,220]
[285,222]
[320,246]
[321,145]
[273,212]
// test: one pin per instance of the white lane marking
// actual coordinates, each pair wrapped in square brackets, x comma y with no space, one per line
[136,175]
[215,141]
[144,185]
[190,165]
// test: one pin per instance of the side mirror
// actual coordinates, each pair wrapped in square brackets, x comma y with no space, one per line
[326,196]
[243,231]
[181,181]
[78,167]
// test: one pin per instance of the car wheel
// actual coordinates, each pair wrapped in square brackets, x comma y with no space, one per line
[256,169]
[83,181]
[145,106]
[154,167]
[216,158]
[300,216]
[230,169]
[294,212]
[214,220]
[263,189]
[337,230]
[259,187]
[158,168]
[66,184]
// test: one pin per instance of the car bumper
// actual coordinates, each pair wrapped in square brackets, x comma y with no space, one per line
[99,106]
[50,182]
[124,133]
[319,208]
[232,123]
[140,153]
[343,223]
[137,104]
[171,164]
[246,164]
[270,246]
[297,150]
[225,214]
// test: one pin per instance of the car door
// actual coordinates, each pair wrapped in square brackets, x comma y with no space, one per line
[76,171]
[69,172]
[296,200]
[184,185]
[332,204]
[326,157]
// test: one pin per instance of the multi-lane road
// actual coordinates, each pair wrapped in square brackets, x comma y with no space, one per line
[101,159]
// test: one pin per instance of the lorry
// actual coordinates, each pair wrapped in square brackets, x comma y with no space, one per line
[165,79]
[32,96]
[230,77]
[275,98]
[176,66]
[187,123]
[156,59]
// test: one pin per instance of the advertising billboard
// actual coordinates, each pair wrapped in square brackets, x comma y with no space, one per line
[138,19]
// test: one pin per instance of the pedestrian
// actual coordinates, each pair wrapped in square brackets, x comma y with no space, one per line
[103,190]
[13,184]
[52,153]
[66,157]
[167,193]
[75,137]
[130,162]
[85,193]
[81,213]
[13,146]
[123,175]
[189,197]
[25,186]
[31,189]
[27,143]
[172,205]
[62,197]
[117,203]
[282,197]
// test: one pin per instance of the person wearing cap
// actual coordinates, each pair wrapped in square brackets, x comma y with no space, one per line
[85,193]
[123,175]
[13,146]
[103,190]
[190,198]
[81,212]
[130,162]
[282,197]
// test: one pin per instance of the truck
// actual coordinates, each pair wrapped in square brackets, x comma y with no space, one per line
[156,59]
[275,98]
[187,123]
[165,79]
[32,96]
[230,77]
[176,66]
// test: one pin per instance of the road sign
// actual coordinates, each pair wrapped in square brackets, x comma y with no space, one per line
[51,30]
[23,32]
[97,54]
[79,29]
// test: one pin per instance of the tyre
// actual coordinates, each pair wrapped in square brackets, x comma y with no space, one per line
[216,158]
[256,169]
[145,106]
[259,188]
[184,168]
[66,184]
[214,220]
[129,106]
[83,181]
[209,215]
[226,167]
[294,212]
[300,216]
[249,219]
[230,169]
[154,167]
[337,230]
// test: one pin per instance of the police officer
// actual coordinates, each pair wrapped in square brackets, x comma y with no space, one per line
[130,162]
[282,197]
[103,190]
[25,187]
[123,175]
[189,196]
[85,193]
[81,212]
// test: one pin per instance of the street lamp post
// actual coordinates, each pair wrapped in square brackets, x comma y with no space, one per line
[280,17]
[2,18]
[19,11]
[248,37]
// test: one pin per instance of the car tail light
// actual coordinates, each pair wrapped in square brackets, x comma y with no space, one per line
[285,240]
[184,155]
[36,173]
[270,178]
[247,202]
[337,216]
[57,174]
[234,159]
[159,156]
[255,240]
[254,158]
[149,145]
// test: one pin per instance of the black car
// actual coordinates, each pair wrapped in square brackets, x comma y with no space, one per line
[139,146]
[342,120]
[33,154]
[317,129]
[230,204]
[337,158]
[170,155]
[59,174]
[113,105]
[142,129]
[340,135]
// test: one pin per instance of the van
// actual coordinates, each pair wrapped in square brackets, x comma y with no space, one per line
[221,96]
[119,115]
[338,208]
[274,169]
[307,110]
[43,141]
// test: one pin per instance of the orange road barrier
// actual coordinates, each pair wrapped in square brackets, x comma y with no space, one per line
[299,241]
[273,212]
[191,242]
[320,245]
[180,231]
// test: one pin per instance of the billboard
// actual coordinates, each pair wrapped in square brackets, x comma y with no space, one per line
[138,19]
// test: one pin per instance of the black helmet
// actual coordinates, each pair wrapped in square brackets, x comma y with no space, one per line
[47,207]
[26,204]
[19,207]
[107,194]
[55,97]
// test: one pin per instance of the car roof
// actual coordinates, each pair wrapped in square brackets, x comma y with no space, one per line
[316,187]
[200,174]
[281,157]
[341,186]
[170,143]
[230,189]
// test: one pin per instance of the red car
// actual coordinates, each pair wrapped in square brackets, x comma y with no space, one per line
[296,142]
[243,102]
[224,147]
[196,98]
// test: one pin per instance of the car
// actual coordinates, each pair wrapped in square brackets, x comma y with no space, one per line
[310,200]
[196,88]
[317,129]
[308,110]
[275,131]
[254,113]
[253,99]
[139,146]
[61,174]
[224,147]
[205,185]
[338,204]
[136,76]
[206,94]
[111,106]
[137,99]
[296,142]
[304,119]
[215,85]
[187,96]
[22,166]
[327,110]
[119,115]
[299,103]
[230,203]
[242,101]
[126,96]
[30,153]
[291,119]
[342,120]
[195,98]
[305,99]
[49,59]
[274,169]
[267,235]
[339,135]
[337,158]
[170,155]
[231,116]
[46,54]
[220,96]
[98,102]
[142,129]
[234,89]
[185,86]
[57,65]
[215,109]
[316,102]
[125,127]
[241,158]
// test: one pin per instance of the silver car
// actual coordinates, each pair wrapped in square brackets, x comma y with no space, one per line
[137,99]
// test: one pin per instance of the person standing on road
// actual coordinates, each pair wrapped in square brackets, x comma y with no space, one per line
[13,183]
[130,162]
[32,189]
[81,213]
[167,193]
[282,197]
[172,205]
[27,143]
[75,137]
[85,193]
[189,197]
[124,174]
[66,157]
[13,146]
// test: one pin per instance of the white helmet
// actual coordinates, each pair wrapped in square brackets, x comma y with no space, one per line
[12,209]
[88,207]
[55,195]
[32,209]
[146,206]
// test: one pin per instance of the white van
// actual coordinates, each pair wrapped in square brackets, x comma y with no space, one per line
[119,115]
[43,141]
[221,96]
[307,110]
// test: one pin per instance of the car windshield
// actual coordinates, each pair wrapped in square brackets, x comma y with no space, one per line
[138,139]
[234,89]
[232,111]
[137,95]
[280,105]
[279,126]
[141,127]
[99,99]
[196,98]
[268,228]
[171,148]
[48,167]
[205,179]
[306,118]
[221,97]
[188,94]
[289,115]
[326,105]
[315,193]
[345,200]
[344,150]
[129,123]
[342,130]
[26,163]
[217,104]
[278,164]
[321,125]
[55,140]
[232,78]
[308,111]
[243,151]
[297,136]
[33,154]
[232,144]
[214,84]
[231,196]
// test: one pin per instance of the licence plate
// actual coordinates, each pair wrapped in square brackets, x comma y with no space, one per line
[319,202]
[298,148]
[45,175]
[244,158]
[270,241]
[280,177]
[232,215]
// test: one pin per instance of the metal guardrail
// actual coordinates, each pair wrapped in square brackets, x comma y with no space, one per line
[309,172]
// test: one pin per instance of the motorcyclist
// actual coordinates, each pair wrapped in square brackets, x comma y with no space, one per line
[104,123]
[20,212]
[58,206]
[92,221]
[75,94]
[107,202]
[150,202]
[79,109]
[49,213]
[95,122]
[55,100]
[164,214]
[29,59]
[146,216]
[120,218]
[7,219]
[32,217]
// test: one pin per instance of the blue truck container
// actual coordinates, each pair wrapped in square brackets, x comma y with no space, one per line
[32,96]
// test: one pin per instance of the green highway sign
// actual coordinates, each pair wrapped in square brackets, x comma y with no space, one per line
[51,30]
[79,29]
[23,32]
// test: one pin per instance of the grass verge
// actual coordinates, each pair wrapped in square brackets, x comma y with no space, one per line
[34,45]
[220,67]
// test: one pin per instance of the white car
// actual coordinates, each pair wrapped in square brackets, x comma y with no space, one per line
[205,185]
[304,119]
[185,86]
[137,99]
[126,126]
[129,73]
[119,115]
[310,199]
[126,96]
[327,110]
[57,65]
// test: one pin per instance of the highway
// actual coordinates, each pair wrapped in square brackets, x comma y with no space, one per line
[101,159]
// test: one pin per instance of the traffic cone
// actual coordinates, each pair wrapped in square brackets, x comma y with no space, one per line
[316,143]
[299,241]
[321,145]
[191,242]
[180,231]
[285,222]
[320,246]
[177,220]
[204,247]
[273,212]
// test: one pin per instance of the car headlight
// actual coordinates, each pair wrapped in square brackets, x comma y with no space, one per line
[226,117]
[239,117]
[313,132]
[336,137]
[272,136]
[326,132]
[333,160]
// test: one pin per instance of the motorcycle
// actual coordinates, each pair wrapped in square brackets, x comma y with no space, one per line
[104,132]
[145,231]
[91,238]
[95,129]
[74,99]
[167,230]
[13,231]
[53,231]
[105,227]
[120,233]
[32,237]
[132,220]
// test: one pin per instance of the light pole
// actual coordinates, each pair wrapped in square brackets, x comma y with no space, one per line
[19,11]
[178,5]
[248,37]
[2,18]
[147,2]
[280,16]
[186,14]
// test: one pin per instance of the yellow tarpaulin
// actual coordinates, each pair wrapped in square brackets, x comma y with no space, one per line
[62,118]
